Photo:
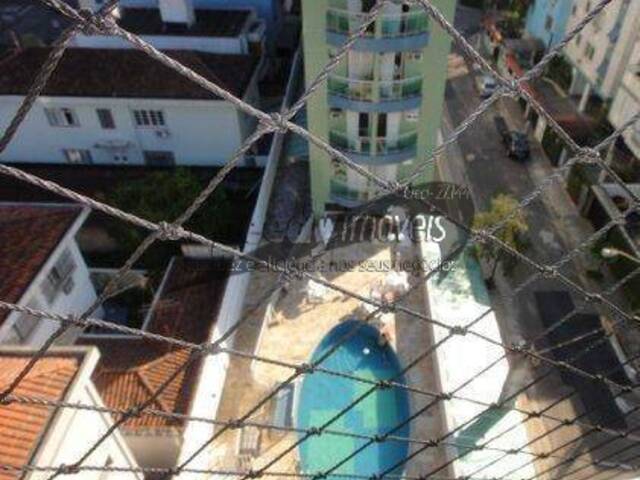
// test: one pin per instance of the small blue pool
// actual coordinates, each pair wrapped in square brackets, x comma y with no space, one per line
[322,396]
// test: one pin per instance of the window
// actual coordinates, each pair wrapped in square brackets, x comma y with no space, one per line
[149,118]
[61,117]
[382,125]
[589,51]
[157,158]
[579,39]
[363,125]
[105,117]
[59,277]
[78,155]
[25,324]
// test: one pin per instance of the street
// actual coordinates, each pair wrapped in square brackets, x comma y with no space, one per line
[479,160]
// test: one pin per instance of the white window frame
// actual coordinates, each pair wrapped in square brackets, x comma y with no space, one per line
[106,119]
[60,277]
[61,117]
[148,118]
[78,156]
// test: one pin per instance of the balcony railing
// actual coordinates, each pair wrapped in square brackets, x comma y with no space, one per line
[341,192]
[391,24]
[373,146]
[363,90]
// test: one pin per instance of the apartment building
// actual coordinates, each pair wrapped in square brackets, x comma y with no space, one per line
[382,106]
[33,434]
[186,307]
[179,25]
[600,54]
[547,20]
[120,106]
[626,102]
[268,11]
[41,268]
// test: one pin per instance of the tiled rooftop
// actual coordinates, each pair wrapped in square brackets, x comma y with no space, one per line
[208,23]
[23,426]
[125,73]
[28,236]
[131,368]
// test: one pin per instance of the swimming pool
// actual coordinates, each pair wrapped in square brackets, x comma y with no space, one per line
[322,396]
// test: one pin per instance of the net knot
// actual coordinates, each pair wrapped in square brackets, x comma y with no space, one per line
[72,469]
[279,122]
[96,24]
[589,156]
[168,231]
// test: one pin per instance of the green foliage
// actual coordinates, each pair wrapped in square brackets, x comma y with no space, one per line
[512,233]
[164,196]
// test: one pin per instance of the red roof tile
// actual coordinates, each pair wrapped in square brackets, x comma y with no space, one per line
[132,369]
[23,426]
[28,236]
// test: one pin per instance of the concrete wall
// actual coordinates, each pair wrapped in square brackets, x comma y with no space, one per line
[199,132]
[77,301]
[74,431]
[558,11]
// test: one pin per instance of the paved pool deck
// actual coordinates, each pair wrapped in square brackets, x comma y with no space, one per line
[291,330]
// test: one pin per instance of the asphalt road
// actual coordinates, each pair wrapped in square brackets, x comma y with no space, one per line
[479,160]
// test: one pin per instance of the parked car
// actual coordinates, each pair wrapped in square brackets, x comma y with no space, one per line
[518,146]
[487,85]
[516,143]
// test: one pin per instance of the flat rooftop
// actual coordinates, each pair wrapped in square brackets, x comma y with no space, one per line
[208,23]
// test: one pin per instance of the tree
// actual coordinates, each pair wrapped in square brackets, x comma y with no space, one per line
[511,233]
[164,196]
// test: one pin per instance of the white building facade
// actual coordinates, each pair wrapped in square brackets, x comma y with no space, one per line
[139,131]
[61,285]
[129,110]
[600,53]
[626,103]
[73,431]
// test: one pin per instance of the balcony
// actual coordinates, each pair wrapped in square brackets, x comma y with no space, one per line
[392,32]
[371,96]
[376,151]
[341,193]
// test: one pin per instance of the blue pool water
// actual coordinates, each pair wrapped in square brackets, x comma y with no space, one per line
[323,396]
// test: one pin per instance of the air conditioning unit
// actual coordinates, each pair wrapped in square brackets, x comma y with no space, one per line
[163,133]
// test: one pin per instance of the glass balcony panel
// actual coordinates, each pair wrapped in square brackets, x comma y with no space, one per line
[392,25]
[399,89]
[341,191]
[363,145]
[362,90]
[395,145]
